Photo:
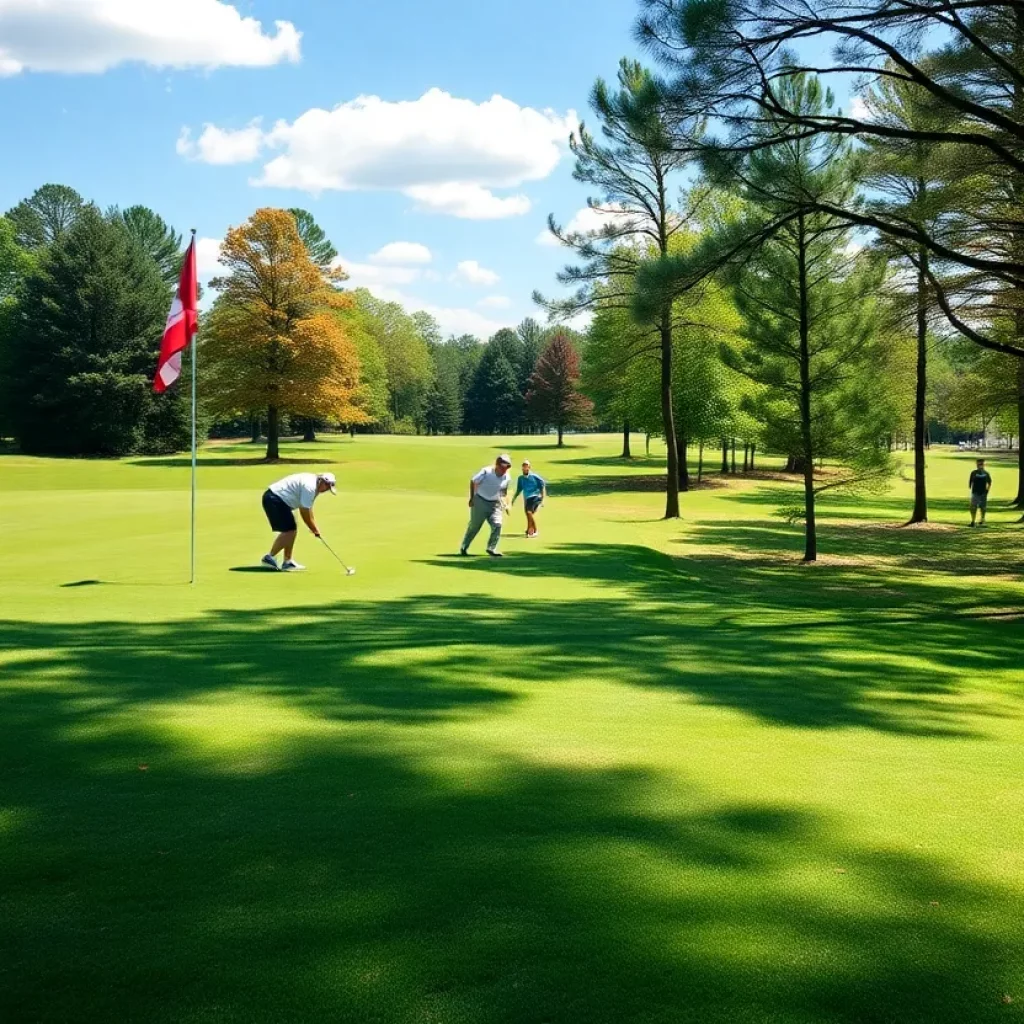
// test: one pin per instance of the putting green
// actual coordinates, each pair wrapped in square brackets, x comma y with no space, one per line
[636,771]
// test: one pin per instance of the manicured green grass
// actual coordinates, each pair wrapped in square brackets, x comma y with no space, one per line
[636,772]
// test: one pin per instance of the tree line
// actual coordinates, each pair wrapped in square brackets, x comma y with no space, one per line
[285,346]
[810,280]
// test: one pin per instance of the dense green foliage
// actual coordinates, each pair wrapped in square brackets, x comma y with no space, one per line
[83,348]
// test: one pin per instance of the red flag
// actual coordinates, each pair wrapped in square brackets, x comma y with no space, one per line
[182,324]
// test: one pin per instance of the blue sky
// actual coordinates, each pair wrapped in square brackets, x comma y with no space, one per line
[96,94]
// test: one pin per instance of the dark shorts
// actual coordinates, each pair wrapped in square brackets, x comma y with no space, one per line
[979,501]
[279,515]
[532,504]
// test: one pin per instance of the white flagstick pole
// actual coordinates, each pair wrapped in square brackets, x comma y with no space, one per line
[195,359]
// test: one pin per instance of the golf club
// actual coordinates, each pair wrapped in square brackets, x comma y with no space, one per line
[349,571]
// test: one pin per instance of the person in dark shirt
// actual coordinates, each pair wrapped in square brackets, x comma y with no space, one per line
[980,484]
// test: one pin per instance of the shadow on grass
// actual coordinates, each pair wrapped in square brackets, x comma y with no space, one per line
[980,552]
[212,461]
[637,483]
[636,461]
[335,870]
[863,506]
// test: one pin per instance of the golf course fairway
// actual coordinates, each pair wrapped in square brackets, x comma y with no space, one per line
[636,772]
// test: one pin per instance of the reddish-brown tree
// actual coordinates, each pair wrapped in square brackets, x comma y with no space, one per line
[554,396]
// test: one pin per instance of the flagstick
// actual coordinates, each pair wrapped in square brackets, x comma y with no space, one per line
[195,359]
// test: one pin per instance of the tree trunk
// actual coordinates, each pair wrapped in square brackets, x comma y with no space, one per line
[725,455]
[811,526]
[254,424]
[684,468]
[1018,250]
[746,456]
[734,455]
[700,463]
[668,417]
[920,513]
[1019,500]
[753,448]
[560,445]
[273,432]
[309,430]
[626,453]
[647,444]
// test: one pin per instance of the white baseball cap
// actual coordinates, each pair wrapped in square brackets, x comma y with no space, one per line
[505,458]
[331,481]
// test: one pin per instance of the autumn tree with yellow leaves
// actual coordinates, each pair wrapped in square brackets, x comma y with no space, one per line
[273,340]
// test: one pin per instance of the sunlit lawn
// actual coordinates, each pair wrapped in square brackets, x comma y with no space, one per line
[636,772]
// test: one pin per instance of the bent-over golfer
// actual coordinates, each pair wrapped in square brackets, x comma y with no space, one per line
[280,501]
[534,489]
[487,492]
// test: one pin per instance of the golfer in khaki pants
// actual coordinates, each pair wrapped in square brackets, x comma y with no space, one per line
[487,491]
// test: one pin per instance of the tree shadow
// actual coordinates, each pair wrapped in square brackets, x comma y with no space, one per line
[347,862]
[978,552]
[618,462]
[816,651]
[213,461]
[637,483]
[344,877]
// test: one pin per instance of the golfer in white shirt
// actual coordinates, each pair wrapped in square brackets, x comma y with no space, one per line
[487,491]
[280,502]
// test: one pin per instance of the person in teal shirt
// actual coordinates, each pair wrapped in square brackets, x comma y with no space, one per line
[534,490]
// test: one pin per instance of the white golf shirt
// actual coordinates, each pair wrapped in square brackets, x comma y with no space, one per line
[491,487]
[296,491]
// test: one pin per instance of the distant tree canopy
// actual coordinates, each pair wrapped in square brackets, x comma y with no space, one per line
[46,216]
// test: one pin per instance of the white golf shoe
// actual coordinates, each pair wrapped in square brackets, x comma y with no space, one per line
[270,562]
[292,566]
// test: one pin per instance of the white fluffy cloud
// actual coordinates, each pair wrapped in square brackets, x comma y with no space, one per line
[377,277]
[96,35]
[445,153]
[589,220]
[402,254]
[470,202]
[471,272]
[455,320]
[859,109]
[207,257]
[219,147]
[495,302]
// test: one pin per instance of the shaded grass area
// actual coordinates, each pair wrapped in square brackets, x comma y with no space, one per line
[811,657]
[638,772]
[993,551]
[298,875]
